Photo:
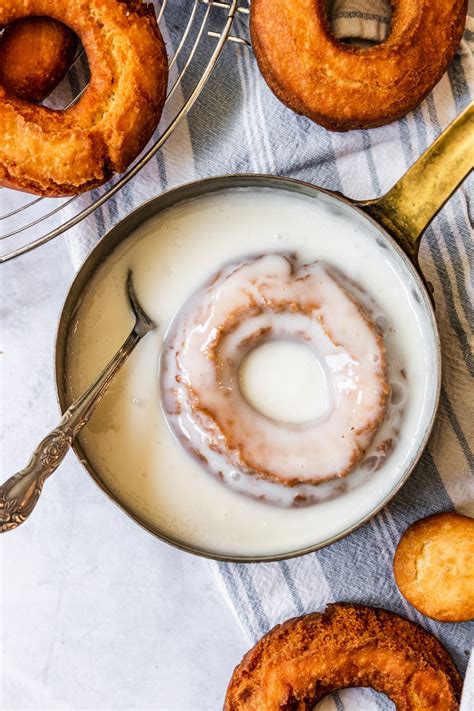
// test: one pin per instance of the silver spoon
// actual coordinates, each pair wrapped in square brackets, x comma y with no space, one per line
[20,493]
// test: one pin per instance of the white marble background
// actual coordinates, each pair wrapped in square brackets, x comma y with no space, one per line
[95,612]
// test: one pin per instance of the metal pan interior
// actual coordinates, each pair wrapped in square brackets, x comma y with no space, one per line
[252,213]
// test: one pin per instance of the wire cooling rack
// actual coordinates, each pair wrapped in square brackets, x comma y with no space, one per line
[26,221]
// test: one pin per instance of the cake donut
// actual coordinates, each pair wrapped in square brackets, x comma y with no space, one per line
[303,660]
[344,87]
[66,152]
[35,54]
[433,566]
[245,304]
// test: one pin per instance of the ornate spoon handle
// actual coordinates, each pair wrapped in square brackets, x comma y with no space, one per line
[20,493]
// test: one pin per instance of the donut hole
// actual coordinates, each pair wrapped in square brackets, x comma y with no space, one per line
[36,53]
[357,28]
[285,381]
[355,698]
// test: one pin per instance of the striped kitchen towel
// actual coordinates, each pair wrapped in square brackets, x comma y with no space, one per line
[239,126]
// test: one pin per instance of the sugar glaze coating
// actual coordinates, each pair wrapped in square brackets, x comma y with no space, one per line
[244,305]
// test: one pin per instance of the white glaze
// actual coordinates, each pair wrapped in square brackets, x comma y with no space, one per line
[172,255]
[246,303]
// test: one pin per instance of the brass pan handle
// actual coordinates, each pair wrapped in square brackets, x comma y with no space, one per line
[408,208]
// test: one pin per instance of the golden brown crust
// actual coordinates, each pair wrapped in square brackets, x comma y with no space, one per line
[299,662]
[35,54]
[433,567]
[67,152]
[344,87]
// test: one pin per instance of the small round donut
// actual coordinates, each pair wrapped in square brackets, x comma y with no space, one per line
[35,54]
[434,567]
[303,660]
[250,302]
[345,87]
[50,152]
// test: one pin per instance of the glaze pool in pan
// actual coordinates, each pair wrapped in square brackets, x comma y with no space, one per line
[175,242]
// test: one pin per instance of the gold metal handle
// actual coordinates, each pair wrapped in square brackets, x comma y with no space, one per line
[408,208]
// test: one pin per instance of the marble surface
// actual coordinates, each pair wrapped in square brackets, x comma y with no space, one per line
[95,612]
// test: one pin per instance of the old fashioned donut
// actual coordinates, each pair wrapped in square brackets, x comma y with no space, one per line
[306,658]
[344,87]
[35,54]
[66,152]
[247,303]
[433,567]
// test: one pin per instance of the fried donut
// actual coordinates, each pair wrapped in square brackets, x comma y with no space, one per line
[244,305]
[35,54]
[433,567]
[67,152]
[343,87]
[306,658]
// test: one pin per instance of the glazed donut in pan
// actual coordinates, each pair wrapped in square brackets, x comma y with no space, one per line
[344,87]
[248,303]
[35,54]
[49,152]
[306,658]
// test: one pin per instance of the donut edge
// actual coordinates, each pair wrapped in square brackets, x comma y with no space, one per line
[440,658]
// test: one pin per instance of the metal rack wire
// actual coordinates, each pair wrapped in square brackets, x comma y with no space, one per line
[27,222]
